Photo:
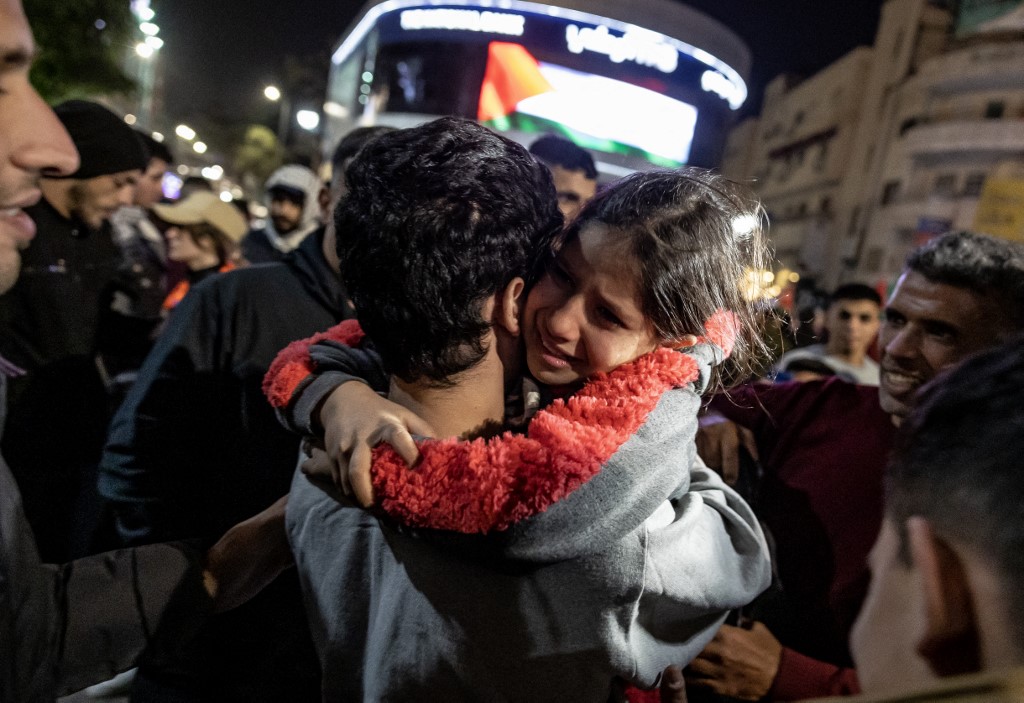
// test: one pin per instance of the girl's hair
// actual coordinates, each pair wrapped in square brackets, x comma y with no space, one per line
[697,238]
[223,244]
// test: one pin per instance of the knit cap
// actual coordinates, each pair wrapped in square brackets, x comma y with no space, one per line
[105,144]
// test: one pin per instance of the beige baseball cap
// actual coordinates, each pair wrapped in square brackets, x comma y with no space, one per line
[205,207]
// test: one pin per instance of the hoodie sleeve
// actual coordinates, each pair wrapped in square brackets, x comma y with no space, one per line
[305,372]
[706,554]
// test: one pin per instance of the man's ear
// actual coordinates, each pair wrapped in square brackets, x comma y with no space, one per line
[506,312]
[950,639]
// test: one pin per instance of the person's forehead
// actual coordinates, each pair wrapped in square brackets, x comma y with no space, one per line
[575,180]
[16,47]
[859,305]
[917,297]
[109,180]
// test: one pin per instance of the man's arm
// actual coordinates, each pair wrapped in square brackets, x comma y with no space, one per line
[326,388]
[171,409]
[64,627]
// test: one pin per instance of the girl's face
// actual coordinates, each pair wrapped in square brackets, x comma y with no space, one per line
[182,246]
[584,315]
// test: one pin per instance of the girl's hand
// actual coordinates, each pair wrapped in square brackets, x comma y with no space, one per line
[355,419]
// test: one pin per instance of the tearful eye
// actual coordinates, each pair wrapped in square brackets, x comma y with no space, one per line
[560,275]
[609,317]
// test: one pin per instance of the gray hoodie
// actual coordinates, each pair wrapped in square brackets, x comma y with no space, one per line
[631,572]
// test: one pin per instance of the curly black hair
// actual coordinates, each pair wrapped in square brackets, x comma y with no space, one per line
[438,218]
[981,263]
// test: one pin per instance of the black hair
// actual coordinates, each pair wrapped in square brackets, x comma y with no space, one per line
[155,149]
[807,365]
[957,464]
[350,145]
[558,151]
[293,195]
[986,265]
[438,218]
[855,291]
[696,237]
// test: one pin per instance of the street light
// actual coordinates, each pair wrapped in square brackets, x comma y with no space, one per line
[284,110]
[144,50]
[149,29]
[308,119]
[185,132]
[199,147]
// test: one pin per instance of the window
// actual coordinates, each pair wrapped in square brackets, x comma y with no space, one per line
[995,109]
[890,192]
[897,45]
[822,161]
[945,185]
[973,184]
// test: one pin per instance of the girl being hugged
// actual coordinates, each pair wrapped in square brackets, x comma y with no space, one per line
[596,539]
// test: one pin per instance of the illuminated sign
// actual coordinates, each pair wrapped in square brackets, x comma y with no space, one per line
[642,47]
[465,20]
[542,25]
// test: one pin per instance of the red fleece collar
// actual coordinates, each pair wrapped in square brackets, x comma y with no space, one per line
[486,485]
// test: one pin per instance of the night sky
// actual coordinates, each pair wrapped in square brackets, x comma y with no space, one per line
[220,54]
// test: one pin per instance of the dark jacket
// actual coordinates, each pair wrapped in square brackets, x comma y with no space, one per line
[257,249]
[49,326]
[65,627]
[196,448]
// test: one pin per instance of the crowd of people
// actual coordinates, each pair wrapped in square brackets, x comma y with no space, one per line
[539,459]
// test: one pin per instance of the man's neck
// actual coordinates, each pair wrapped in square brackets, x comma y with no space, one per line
[851,357]
[474,405]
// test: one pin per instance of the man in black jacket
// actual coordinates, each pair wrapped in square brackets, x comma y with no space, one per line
[196,447]
[50,324]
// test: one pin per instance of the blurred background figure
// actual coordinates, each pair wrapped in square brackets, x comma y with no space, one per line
[852,319]
[204,234]
[196,444]
[143,279]
[572,169]
[294,195]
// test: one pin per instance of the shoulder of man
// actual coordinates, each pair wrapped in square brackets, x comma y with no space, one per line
[988,687]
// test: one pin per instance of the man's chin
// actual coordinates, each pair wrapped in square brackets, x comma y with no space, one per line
[898,408]
[10,266]
[284,226]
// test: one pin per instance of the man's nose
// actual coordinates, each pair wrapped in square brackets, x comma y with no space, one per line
[904,343]
[563,320]
[41,144]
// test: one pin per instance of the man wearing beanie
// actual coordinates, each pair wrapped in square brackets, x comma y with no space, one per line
[52,323]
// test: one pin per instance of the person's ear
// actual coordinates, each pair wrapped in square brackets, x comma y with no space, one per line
[507,312]
[949,641]
[687,340]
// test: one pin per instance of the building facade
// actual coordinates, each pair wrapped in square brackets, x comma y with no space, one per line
[921,133]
